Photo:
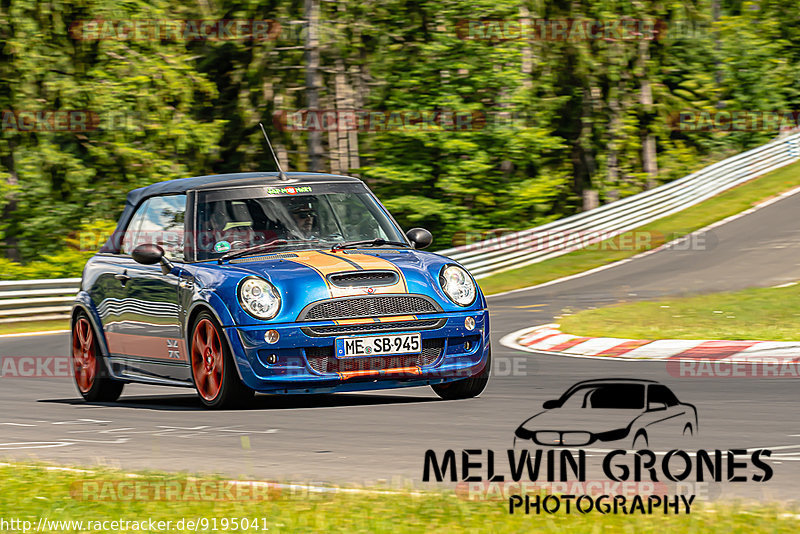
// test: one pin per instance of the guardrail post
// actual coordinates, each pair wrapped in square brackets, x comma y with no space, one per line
[794,146]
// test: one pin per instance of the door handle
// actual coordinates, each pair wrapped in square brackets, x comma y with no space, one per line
[123,278]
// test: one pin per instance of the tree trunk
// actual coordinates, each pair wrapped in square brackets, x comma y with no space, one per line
[527,50]
[313,82]
[715,15]
[342,107]
[649,163]
[10,241]
[614,127]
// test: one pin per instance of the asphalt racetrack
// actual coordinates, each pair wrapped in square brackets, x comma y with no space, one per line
[368,438]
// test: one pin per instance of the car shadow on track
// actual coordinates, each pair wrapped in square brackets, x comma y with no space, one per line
[259,402]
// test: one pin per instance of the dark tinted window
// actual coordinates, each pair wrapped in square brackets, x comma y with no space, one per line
[660,393]
[618,396]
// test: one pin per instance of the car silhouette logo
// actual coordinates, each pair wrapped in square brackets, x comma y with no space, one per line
[643,412]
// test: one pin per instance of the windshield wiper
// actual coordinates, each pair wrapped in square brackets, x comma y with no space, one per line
[264,247]
[371,243]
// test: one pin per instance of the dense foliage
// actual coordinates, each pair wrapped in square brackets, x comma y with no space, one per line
[558,124]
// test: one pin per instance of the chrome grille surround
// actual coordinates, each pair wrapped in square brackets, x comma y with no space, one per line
[369,306]
[396,326]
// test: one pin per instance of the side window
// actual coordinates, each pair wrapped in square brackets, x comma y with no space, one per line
[131,239]
[160,221]
[662,394]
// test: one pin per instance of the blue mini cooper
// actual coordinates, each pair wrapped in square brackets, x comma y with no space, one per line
[276,283]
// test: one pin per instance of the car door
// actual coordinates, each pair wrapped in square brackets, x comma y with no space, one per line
[667,416]
[148,331]
[109,291]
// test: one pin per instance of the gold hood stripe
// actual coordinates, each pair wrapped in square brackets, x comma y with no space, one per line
[329,262]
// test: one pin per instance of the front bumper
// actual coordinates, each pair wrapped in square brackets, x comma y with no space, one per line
[304,359]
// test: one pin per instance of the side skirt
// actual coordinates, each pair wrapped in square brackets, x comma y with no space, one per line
[150,371]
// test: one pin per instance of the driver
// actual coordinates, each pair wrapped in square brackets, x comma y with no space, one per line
[304,217]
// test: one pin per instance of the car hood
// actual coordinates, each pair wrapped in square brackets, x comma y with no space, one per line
[302,277]
[592,420]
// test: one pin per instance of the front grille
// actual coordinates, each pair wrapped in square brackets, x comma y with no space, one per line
[364,279]
[373,327]
[359,307]
[322,360]
[568,439]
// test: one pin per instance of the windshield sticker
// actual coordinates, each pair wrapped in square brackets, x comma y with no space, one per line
[222,246]
[290,190]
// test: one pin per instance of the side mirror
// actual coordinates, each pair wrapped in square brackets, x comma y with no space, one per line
[420,237]
[549,405]
[656,406]
[150,254]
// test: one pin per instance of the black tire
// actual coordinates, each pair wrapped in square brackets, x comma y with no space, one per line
[637,439]
[466,388]
[101,387]
[231,392]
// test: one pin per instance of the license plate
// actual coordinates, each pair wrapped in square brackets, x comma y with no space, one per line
[351,347]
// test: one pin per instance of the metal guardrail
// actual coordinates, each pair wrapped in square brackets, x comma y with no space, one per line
[34,300]
[534,245]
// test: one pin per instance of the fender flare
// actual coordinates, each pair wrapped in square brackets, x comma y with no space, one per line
[83,303]
[212,303]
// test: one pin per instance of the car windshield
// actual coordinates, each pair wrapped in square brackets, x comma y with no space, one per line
[304,219]
[607,396]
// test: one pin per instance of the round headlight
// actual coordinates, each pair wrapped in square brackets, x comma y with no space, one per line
[458,285]
[259,298]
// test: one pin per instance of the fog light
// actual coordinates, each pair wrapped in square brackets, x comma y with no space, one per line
[271,336]
[467,345]
[272,359]
[469,322]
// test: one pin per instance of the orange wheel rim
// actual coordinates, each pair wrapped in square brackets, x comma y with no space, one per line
[84,358]
[208,364]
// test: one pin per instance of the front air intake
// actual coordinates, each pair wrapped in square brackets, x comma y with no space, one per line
[364,279]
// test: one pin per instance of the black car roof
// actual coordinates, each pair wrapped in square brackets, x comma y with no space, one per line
[215,181]
[218,181]
[601,381]
[607,381]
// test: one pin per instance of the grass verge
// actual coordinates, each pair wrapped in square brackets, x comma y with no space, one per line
[649,236]
[753,314]
[33,326]
[31,493]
